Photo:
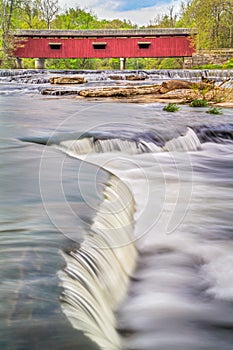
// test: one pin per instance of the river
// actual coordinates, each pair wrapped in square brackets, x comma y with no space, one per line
[116,221]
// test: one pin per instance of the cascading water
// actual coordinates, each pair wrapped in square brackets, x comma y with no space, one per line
[96,277]
[187,258]
[22,75]
[189,142]
[146,244]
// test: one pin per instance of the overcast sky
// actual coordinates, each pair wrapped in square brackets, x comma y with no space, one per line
[138,11]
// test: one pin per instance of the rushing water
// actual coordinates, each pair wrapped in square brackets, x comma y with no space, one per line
[116,223]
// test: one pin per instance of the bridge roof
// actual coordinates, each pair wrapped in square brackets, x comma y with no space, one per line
[104,32]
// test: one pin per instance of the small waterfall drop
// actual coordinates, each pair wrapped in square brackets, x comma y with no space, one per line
[188,142]
[96,276]
[106,76]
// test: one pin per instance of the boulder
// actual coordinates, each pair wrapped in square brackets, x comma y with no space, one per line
[67,80]
[182,84]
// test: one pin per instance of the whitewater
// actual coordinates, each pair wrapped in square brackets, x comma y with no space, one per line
[149,265]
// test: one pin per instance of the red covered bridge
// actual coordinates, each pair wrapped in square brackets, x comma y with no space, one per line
[163,42]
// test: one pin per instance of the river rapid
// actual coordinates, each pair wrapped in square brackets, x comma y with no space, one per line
[116,220]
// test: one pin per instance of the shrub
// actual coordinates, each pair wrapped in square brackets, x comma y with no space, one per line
[199,103]
[170,63]
[171,107]
[214,110]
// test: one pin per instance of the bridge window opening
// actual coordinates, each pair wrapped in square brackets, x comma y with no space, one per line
[55,46]
[99,45]
[144,44]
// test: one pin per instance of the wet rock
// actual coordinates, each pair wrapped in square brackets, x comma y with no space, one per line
[131,77]
[55,92]
[116,77]
[120,91]
[175,84]
[67,80]
[181,84]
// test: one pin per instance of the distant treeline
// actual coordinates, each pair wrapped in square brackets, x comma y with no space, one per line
[213,20]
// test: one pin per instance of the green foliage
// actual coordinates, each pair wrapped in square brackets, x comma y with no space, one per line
[150,63]
[28,63]
[199,103]
[75,18]
[214,110]
[171,107]
[134,63]
[71,63]
[114,63]
[213,20]
[170,63]
[115,24]
[209,66]
[228,64]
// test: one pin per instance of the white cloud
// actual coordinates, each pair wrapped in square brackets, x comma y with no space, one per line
[108,9]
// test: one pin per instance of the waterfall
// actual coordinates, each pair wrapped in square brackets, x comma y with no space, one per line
[96,276]
[155,74]
[188,142]
[18,72]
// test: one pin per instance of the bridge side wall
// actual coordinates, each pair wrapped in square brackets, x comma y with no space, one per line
[164,46]
[211,57]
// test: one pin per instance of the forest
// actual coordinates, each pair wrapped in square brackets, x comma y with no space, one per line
[212,19]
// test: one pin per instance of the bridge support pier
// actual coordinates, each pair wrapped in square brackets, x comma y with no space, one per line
[40,63]
[19,63]
[122,63]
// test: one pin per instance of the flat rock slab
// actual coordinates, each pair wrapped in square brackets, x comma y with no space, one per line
[172,91]
[67,80]
[120,91]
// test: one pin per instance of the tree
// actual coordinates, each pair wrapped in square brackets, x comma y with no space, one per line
[48,9]
[213,20]
[30,15]
[7,8]
[75,18]
[117,24]
[167,20]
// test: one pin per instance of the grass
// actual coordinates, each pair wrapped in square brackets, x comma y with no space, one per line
[209,66]
[214,110]
[171,107]
[199,103]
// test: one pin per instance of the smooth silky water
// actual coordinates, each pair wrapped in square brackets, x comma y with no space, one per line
[116,224]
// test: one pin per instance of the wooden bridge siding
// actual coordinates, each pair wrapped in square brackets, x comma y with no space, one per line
[173,46]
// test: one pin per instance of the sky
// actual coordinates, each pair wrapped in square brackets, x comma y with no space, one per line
[137,11]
